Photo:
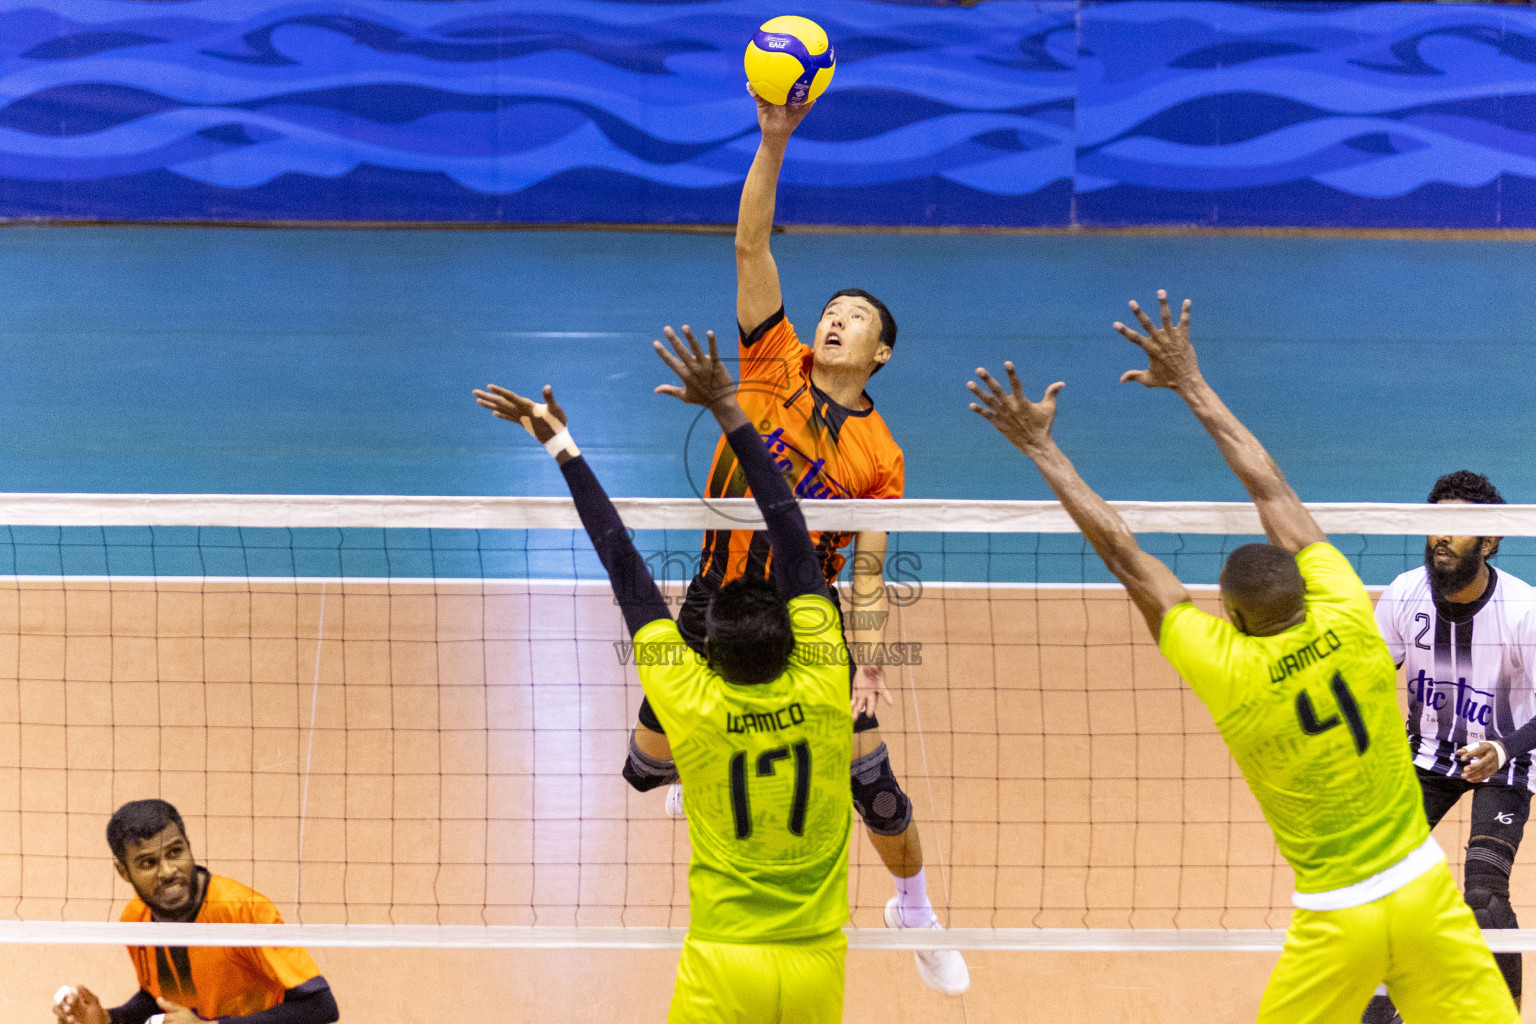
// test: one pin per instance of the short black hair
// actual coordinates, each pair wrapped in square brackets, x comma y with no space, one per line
[1263,582]
[1465,485]
[1472,488]
[139,820]
[887,322]
[748,631]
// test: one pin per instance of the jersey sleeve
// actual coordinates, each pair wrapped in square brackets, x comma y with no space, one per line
[771,352]
[1387,622]
[671,673]
[1332,582]
[893,478]
[288,966]
[1525,644]
[1203,649]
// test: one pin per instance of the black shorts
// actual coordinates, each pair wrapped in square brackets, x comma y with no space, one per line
[691,624]
[1498,812]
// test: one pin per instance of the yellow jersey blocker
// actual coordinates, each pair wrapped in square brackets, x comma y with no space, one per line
[765,770]
[1310,715]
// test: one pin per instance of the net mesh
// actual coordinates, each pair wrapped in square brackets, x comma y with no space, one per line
[412,712]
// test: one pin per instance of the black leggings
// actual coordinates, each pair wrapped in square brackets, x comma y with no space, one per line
[1498,812]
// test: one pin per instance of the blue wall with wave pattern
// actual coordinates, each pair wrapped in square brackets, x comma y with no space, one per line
[1014,112]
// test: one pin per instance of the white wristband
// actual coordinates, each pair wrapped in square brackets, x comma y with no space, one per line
[562,442]
[1502,755]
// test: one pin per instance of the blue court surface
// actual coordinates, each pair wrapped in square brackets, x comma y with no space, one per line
[300,361]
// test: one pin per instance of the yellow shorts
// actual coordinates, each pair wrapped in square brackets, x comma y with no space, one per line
[1422,941]
[728,983]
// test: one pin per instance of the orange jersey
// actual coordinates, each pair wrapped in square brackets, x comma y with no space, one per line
[823,449]
[219,981]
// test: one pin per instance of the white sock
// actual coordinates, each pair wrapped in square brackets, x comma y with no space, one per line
[912,901]
[1381,990]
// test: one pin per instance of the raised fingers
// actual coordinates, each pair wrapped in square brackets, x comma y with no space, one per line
[674,363]
[693,343]
[1013,380]
[1139,340]
[1184,314]
[499,399]
[677,343]
[991,382]
[508,396]
[988,399]
[1141,317]
[1162,305]
[554,406]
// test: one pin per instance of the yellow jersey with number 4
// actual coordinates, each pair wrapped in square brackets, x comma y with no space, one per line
[1311,718]
[765,781]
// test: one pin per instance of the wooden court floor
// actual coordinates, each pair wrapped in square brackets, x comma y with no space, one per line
[444,752]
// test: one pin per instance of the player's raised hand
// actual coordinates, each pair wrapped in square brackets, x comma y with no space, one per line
[541,419]
[79,1005]
[778,120]
[869,689]
[1172,357]
[1027,424]
[705,379]
[177,1014]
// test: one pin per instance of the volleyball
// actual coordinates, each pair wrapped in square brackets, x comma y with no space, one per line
[789,60]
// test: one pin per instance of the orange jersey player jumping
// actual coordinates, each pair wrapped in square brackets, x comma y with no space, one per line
[247,985]
[811,409]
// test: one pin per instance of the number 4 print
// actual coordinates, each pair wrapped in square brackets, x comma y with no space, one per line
[1347,706]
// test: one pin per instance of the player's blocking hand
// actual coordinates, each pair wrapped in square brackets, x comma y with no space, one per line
[869,689]
[705,379]
[1027,424]
[541,419]
[1172,357]
[1482,760]
[80,1007]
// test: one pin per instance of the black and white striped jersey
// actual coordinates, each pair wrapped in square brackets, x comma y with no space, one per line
[1470,668]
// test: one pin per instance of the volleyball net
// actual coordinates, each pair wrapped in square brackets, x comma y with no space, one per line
[403,719]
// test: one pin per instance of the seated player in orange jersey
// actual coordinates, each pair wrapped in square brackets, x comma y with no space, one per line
[191,983]
[810,407]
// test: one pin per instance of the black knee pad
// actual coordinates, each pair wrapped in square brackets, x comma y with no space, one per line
[877,796]
[647,716]
[645,772]
[1487,875]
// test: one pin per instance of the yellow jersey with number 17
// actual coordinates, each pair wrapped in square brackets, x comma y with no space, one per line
[765,781]
[1311,718]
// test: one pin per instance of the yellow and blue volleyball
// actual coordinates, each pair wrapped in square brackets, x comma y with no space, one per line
[789,60]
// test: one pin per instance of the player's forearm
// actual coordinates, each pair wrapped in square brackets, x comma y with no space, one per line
[1521,741]
[632,584]
[1100,523]
[754,218]
[796,569]
[313,1007]
[1245,456]
[1286,520]
[136,1010]
[870,608]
